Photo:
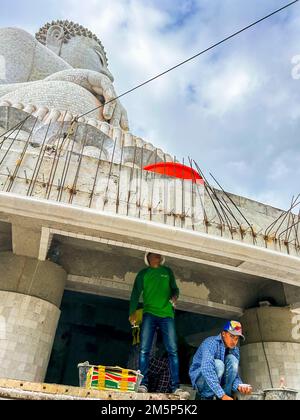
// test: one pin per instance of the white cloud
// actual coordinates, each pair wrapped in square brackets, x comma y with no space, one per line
[228,89]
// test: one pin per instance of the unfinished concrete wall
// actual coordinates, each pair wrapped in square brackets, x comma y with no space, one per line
[100,166]
[89,269]
[30,296]
[284,362]
[271,352]
[94,170]
[5,237]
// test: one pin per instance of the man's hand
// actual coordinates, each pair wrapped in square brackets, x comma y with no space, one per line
[174,300]
[226,398]
[133,319]
[100,86]
[245,389]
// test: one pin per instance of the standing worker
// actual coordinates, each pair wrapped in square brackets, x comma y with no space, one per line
[160,294]
[215,369]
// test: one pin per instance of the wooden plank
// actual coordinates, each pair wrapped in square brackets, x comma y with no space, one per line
[14,389]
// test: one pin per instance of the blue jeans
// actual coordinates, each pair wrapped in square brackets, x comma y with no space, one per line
[168,331]
[227,374]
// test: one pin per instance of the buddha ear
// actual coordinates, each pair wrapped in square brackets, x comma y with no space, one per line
[55,38]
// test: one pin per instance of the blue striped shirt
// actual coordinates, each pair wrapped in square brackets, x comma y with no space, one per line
[212,349]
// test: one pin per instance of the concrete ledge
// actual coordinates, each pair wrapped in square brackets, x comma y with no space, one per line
[199,247]
[18,390]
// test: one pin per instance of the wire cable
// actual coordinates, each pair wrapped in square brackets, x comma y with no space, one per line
[193,57]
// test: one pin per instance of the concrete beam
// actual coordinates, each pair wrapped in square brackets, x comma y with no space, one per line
[25,241]
[121,290]
[205,249]
[45,243]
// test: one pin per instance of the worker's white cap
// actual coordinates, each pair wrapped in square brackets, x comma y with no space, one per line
[146,258]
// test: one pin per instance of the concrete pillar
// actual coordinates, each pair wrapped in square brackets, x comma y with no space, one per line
[272,348]
[30,297]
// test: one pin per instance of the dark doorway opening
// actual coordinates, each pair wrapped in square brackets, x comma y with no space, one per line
[96,329]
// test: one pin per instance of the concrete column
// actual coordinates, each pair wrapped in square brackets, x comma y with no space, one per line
[272,348]
[30,297]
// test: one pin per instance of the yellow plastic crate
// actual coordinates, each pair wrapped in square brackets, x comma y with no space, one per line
[107,378]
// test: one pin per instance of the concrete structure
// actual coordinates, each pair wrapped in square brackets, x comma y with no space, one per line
[28,391]
[30,296]
[271,354]
[77,212]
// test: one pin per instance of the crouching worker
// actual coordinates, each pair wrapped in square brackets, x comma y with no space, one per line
[215,369]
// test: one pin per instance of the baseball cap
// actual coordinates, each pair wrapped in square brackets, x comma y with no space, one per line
[234,328]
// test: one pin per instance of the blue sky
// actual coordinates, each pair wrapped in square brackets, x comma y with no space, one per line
[235,110]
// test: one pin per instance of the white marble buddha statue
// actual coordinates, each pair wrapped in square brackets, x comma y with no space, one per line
[64,68]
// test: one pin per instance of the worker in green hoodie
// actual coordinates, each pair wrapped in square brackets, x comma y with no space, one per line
[160,293]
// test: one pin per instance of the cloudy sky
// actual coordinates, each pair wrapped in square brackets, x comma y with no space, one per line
[235,110]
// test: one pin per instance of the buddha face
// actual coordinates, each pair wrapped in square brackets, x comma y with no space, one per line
[80,52]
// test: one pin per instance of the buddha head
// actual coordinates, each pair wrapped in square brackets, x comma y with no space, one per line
[76,45]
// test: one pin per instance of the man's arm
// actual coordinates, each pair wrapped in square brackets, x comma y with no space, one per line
[238,381]
[136,293]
